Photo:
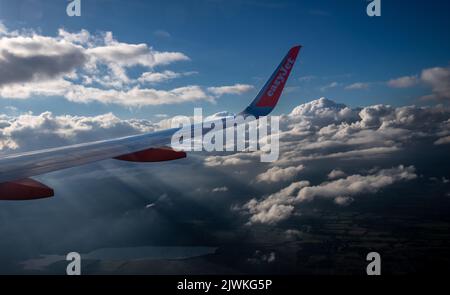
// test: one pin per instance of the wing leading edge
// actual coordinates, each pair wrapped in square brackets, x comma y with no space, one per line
[16,169]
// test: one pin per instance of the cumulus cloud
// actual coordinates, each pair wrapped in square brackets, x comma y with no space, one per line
[275,207]
[312,132]
[82,37]
[231,160]
[321,112]
[356,184]
[157,77]
[439,81]
[315,133]
[343,201]
[281,205]
[124,54]
[323,129]
[336,173]
[277,174]
[233,89]
[33,58]
[137,96]
[403,82]
[437,78]
[31,132]
[83,68]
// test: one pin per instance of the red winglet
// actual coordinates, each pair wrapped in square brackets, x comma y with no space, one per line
[273,89]
[24,189]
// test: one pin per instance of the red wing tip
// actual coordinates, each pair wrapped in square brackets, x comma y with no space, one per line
[295,50]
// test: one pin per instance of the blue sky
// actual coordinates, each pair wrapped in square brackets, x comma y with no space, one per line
[231,42]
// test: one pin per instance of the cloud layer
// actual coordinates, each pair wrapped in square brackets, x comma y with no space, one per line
[30,132]
[83,68]
[326,134]
[373,159]
[323,129]
[280,205]
[437,79]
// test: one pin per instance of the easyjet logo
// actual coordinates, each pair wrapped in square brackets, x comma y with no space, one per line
[281,77]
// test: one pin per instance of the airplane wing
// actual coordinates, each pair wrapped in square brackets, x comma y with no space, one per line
[16,169]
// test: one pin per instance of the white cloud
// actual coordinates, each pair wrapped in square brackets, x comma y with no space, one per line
[83,37]
[439,81]
[356,184]
[358,85]
[84,68]
[137,96]
[231,160]
[277,174]
[403,82]
[437,78]
[443,140]
[329,86]
[37,58]
[219,189]
[233,89]
[125,54]
[321,112]
[3,29]
[343,201]
[336,173]
[56,87]
[312,132]
[276,207]
[323,129]
[158,77]
[30,132]
[281,205]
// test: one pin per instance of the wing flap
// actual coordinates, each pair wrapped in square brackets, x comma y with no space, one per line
[24,189]
[153,155]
